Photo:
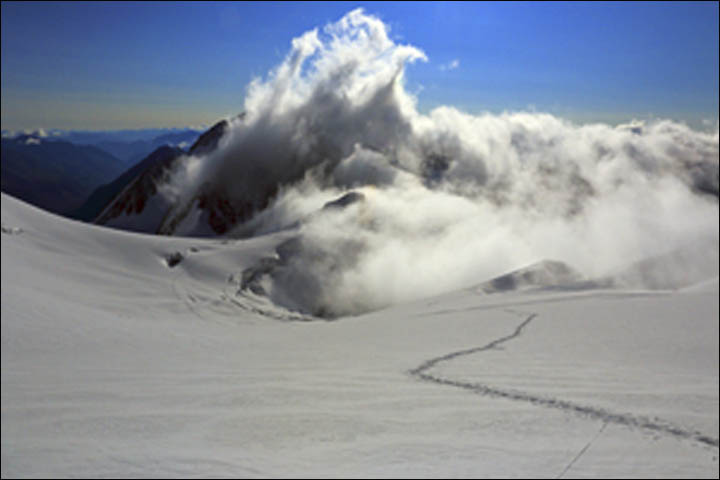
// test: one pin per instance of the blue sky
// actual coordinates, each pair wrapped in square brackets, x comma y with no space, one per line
[105,65]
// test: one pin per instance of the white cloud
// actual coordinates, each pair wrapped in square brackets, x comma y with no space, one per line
[451,199]
[450,65]
[38,132]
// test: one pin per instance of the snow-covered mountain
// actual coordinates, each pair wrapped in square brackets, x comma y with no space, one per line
[137,203]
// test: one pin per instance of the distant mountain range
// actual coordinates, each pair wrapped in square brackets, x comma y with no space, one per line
[76,173]
[132,152]
[54,175]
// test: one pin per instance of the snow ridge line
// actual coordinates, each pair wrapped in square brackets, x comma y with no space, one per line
[654,425]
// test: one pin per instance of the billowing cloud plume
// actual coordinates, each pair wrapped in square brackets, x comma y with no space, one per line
[446,199]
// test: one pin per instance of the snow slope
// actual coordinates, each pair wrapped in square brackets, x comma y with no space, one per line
[116,364]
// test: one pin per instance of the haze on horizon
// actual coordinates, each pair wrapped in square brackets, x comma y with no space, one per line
[72,65]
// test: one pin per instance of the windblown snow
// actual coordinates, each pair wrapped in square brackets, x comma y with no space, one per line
[447,197]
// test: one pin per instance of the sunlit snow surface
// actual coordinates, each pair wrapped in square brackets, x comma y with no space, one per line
[115,364]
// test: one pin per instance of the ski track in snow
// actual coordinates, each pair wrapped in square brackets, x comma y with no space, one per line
[655,425]
[632,421]
[582,452]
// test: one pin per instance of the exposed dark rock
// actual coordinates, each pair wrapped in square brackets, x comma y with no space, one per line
[172,259]
[434,167]
[11,230]
[344,201]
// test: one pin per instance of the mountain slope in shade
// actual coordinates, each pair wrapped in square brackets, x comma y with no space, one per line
[138,206]
[54,175]
[101,196]
[134,202]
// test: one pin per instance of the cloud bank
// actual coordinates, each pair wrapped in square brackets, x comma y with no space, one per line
[448,199]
